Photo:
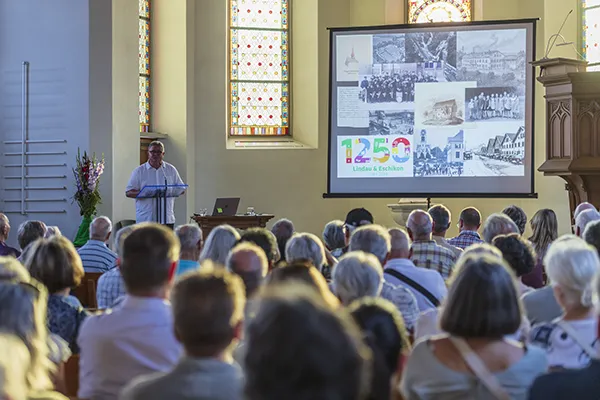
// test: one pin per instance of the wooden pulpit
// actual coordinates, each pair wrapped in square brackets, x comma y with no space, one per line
[572,127]
[208,222]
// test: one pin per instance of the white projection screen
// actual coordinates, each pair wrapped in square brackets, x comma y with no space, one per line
[425,110]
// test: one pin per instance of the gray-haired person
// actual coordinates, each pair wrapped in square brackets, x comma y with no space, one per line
[333,235]
[6,250]
[190,238]
[95,254]
[305,246]
[219,243]
[498,224]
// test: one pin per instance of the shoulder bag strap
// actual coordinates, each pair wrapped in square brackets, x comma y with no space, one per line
[414,285]
[479,369]
[590,351]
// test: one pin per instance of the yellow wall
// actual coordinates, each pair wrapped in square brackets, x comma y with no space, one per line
[290,183]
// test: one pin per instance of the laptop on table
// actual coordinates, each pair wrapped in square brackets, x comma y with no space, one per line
[226,206]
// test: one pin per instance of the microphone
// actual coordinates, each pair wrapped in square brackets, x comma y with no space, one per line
[557,35]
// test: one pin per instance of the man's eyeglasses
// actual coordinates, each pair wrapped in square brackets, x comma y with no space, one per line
[154,151]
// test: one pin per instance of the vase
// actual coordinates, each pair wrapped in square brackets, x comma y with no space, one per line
[83,233]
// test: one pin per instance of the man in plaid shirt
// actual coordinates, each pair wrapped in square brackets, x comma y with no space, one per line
[426,253]
[468,224]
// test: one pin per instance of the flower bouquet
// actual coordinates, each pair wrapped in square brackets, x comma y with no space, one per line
[87,176]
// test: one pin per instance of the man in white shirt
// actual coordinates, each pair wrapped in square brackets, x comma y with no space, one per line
[399,263]
[136,337]
[154,172]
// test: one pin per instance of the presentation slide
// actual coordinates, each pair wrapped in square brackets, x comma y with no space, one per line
[432,110]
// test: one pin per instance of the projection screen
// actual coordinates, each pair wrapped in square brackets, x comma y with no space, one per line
[425,110]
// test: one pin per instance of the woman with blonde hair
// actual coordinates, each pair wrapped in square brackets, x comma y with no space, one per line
[544,226]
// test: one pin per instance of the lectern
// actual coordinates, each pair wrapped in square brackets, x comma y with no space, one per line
[160,194]
[572,127]
[208,222]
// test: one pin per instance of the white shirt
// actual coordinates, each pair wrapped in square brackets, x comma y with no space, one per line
[144,175]
[133,339]
[428,278]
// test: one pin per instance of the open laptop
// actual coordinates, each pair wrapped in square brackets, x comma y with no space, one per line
[226,206]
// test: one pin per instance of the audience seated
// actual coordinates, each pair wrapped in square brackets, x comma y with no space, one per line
[498,224]
[426,285]
[584,218]
[29,232]
[544,226]
[468,224]
[305,246]
[265,240]
[374,239]
[441,218]
[190,239]
[301,349]
[135,338]
[519,256]
[6,250]
[355,218]
[52,231]
[249,262]
[425,252]
[387,338]
[518,216]
[357,275]
[333,235]
[592,234]
[208,310]
[283,230]
[55,263]
[219,243]
[95,254]
[111,287]
[571,340]
[441,367]
[580,208]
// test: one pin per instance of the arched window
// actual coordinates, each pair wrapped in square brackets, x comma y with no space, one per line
[420,11]
[144,65]
[259,67]
[591,33]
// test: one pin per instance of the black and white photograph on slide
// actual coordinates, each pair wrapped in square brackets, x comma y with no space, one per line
[492,58]
[497,150]
[439,152]
[391,122]
[433,47]
[494,104]
[440,104]
[388,49]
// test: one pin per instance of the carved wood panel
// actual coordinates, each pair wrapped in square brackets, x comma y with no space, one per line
[559,121]
[588,116]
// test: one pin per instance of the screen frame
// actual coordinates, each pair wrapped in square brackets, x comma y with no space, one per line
[333,30]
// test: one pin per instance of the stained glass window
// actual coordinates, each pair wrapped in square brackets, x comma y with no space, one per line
[259,67]
[420,11]
[144,65]
[591,33]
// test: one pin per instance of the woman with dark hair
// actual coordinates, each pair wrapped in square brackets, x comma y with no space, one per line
[544,225]
[519,255]
[518,216]
[384,332]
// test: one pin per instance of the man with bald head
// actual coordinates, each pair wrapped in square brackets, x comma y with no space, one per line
[249,262]
[6,250]
[425,252]
[95,254]
[427,285]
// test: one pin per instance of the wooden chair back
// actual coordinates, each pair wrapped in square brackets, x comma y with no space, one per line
[86,291]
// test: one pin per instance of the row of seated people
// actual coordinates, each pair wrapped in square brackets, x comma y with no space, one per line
[239,312]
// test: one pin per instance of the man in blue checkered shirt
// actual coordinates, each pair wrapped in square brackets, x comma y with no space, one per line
[468,225]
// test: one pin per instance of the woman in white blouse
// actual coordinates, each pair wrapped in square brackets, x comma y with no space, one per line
[571,340]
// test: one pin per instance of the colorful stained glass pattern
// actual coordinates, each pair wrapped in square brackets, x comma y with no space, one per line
[269,14]
[144,102]
[144,65]
[258,55]
[591,35]
[422,11]
[259,104]
[144,8]
[144,46]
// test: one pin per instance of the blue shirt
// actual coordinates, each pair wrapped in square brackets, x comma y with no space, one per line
[96,256]
[6,250]
[185,266]
[64,319]
[110,288]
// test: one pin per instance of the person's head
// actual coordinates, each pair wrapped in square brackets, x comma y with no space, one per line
[498,224]
[29,232]
[584,218]
[483,300]
[156,153]
[14,365]
[357,274]
[481,249]
[441,219]
[12,269]
[591,234]
[52,230]
[355,218]
[119,239]
[4,227]
[208,311]
[517,215]
[544,226]
[419,225]
[383,329]
[372,239]
[400,243]
[305,246]
[249,262]
[263,239]
[517,253]
[100,229]
[190,240]
[335,364]
[219,243]
[571,265]
[333,234]
[55,263]
[582,207]
[469,219]
[283,231]
[150,255]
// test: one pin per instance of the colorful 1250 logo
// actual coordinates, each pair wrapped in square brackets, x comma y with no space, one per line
[400,150]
